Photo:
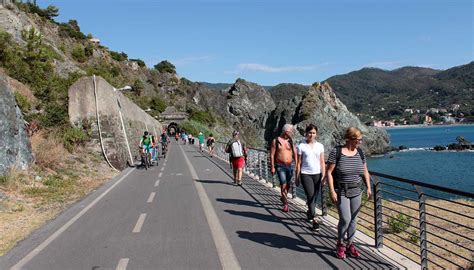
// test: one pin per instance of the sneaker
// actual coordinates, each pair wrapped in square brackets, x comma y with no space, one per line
[341,251]
[315,226]
[352,250]
[286,208]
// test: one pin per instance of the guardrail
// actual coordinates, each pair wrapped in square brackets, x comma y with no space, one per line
[427,223]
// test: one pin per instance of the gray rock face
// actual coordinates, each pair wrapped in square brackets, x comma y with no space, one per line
[321,107]
[247,107]
[15,147]
[114,109]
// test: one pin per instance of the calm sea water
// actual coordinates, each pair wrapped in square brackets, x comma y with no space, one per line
[449,169]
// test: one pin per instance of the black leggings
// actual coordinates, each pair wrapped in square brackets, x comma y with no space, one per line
[311,184]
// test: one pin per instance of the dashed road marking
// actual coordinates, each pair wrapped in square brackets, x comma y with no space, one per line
[157,183]
[163,168]
[152,196]
[179,174]
[138,226]
[160,175]
[122,264]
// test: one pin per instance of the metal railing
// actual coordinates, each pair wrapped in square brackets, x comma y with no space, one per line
[427,223]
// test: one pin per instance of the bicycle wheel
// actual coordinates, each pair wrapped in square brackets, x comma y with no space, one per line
[146,162]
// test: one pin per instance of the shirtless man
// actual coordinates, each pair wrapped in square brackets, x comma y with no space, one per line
[282,161]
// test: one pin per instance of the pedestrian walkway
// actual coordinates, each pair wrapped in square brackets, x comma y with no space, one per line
[183,214]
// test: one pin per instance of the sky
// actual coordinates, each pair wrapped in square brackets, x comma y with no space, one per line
[279,41]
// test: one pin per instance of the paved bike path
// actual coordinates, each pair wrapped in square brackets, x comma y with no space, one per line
[130,228]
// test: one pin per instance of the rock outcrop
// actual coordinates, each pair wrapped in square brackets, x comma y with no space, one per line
[321,107]
[14,144]
[116,113]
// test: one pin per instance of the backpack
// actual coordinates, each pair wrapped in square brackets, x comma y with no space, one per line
[338,157]
[235,149]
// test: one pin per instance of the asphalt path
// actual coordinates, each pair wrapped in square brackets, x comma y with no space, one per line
[184,213]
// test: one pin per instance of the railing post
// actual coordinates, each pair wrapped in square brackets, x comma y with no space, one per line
[324,207]
[266,167]
[377,191]
[260,173]
[423,234]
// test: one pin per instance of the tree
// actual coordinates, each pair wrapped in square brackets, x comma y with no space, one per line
[51,11]
[165,67]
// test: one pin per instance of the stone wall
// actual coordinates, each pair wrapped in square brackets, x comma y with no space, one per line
[15,147]
[82,111]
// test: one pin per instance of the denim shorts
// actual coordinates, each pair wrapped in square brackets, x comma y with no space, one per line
[285,172]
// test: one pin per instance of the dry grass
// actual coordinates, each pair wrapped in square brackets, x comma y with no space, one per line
[57,180]
[442,233]
[48,150]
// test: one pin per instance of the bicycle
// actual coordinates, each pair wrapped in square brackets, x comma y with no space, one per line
[145,153]
[164,149]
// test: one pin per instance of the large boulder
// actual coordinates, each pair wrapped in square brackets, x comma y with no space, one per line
[15,147]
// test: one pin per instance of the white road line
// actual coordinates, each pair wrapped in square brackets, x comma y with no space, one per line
[122,264]
[164,164]
[163,168]
[55,235]
[157,183]
[138,226]
[160,174]
[179,174]
[224,249]
[152,196]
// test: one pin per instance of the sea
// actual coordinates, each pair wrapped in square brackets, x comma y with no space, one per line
[452,169]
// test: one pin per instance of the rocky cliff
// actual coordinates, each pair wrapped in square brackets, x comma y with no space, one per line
[321,107]
[14,144]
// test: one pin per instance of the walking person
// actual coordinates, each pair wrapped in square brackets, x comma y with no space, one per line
[310,170]
[201,139]
[282,161]
[238,152]
[211,144]
[347,171]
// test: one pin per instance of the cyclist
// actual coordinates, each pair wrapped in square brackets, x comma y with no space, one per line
[164,143]
[201,139]
[210,144]
[146,145]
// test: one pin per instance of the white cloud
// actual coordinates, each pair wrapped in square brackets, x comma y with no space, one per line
[191,60]
[385,65]
[270,69]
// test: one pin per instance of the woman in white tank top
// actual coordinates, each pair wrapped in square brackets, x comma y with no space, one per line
[310,169]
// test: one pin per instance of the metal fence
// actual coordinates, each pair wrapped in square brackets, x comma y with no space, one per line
[427,223]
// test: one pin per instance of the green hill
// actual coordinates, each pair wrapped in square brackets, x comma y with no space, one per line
[386,94]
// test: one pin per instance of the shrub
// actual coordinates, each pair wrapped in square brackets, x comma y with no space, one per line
[55,115]
[89,49]
[22,102]
[72,30]
[140,62]
[138,87]
[158,104]
[414,236]
[165,67]
[186,81]
[118,56]
[204,117]
[72,137]
[399,223]
[79,54]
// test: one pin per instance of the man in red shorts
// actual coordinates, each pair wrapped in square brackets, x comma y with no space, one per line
[237,150]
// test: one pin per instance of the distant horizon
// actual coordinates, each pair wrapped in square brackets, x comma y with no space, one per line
[333,75]
[277,41]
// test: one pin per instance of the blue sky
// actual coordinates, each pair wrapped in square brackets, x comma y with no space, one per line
[276,41]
